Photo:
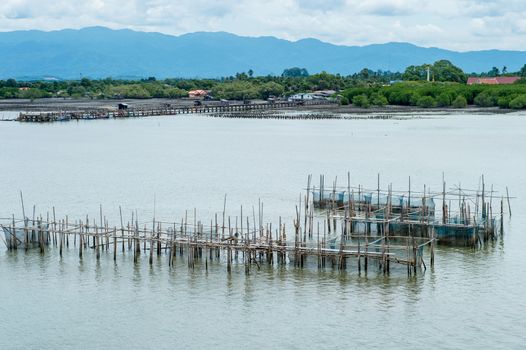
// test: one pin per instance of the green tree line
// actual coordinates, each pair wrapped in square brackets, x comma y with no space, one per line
[241,86]
[446,87]
[439,94]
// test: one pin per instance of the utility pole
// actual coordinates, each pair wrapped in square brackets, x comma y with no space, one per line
[428,73]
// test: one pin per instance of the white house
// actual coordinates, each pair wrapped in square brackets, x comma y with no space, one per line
[302,97]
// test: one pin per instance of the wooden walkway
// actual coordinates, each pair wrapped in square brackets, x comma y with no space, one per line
[217,241]
[55,116]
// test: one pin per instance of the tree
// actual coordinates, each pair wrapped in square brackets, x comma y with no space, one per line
[504,101]
[324,80]
[522,72]
[399,95]
[364,73]
[518,102]
[186,85]
[85,82]
[250,73]
[460,102]
[76,91]
[271,89]
[361,101]
[494,72]
[426,102]
[7,92]
[295,72]
[443,100]
[33,94]
[241,76]
[11,83]
[413,73]
[485,99]
[129,91]
[344,101]
[176,93]
[378,100]
[444,70]
[235,90]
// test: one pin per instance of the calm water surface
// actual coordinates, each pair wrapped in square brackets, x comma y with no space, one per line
[472,299]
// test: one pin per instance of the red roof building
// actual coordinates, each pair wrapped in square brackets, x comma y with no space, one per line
[197,93]
[492,81]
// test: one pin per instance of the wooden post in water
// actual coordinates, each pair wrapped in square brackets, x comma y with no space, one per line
[366,254]
[122,228]
[151,247]
[508,198]
[115,244]
[41,237]
[248,254]
[502,216]
[414,255]
[407,250]
[145,239]
[433,241]
[61,238]
[81,239]
[444,210]
[67,236]
[97,241]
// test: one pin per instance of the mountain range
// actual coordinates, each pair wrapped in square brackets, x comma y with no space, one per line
[99,52]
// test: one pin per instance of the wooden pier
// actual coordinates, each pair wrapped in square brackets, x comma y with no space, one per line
[56,116]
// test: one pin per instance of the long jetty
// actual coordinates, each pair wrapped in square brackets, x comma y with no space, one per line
[355,233]
[55,116]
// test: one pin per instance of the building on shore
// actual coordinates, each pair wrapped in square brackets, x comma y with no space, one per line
[301,97]
[197,93]
[316,95]
[492,81]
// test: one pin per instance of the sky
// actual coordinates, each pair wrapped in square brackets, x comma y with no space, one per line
[460,25]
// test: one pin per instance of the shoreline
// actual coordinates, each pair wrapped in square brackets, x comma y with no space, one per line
[56,105]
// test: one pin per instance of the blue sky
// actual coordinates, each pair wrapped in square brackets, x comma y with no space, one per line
[453,24]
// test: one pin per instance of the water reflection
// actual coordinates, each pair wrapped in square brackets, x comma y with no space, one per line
[136,279]
[248,291]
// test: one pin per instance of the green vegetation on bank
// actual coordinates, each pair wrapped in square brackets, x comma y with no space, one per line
[441,70]
[446,88]
[241,86]
[439,94]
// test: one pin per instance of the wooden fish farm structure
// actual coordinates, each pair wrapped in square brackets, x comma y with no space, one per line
[413,213]
[56,116]
[301,116]
[341,227]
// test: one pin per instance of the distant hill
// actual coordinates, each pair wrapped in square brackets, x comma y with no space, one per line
[98,52]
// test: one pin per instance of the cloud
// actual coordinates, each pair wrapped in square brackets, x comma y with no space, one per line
[519,26]
[321,5]
[390,7]
[453,24]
